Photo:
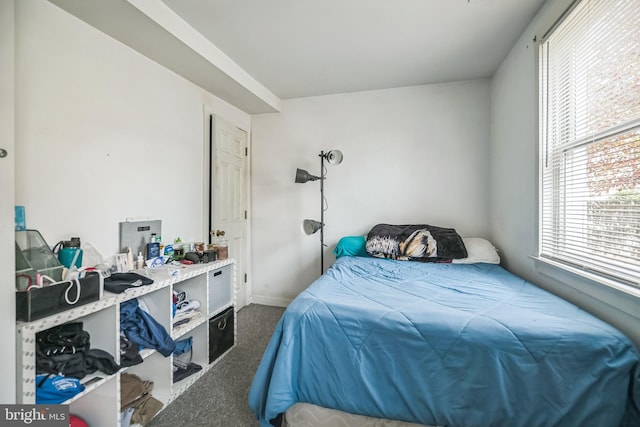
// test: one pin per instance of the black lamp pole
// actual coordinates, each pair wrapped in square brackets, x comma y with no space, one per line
[309,226]
[321,212]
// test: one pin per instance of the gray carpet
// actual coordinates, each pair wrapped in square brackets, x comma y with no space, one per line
[219,398]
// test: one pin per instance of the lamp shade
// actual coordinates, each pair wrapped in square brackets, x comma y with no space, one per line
[334,157]
[310,226]
[303,176]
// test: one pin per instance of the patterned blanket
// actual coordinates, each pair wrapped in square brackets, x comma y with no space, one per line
[417,242]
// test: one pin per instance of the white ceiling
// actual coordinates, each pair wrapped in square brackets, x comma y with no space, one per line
[298,48]
[253,53]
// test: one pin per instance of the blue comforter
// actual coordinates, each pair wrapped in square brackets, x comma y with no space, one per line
[446,344]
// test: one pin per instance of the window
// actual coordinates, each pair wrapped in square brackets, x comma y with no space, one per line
[590,140]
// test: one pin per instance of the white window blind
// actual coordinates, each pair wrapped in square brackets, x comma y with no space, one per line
[590,140]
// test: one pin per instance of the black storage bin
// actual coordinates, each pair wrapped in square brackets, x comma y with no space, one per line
[221,333]
[37,303]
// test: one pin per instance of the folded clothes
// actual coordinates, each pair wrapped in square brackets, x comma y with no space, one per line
[187,317]
[187,305]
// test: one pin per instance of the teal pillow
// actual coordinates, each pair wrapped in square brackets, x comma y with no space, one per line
[351,246]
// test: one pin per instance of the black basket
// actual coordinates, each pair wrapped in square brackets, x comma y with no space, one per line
[37,303]
[221,334]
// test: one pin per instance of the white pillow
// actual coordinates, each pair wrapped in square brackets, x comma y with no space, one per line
[478,250]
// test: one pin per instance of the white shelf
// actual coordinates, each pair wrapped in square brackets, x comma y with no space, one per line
[212,284]
[181,330]
[101,405]
[146,352]
[90,387]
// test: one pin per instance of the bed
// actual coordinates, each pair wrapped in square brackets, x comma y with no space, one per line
[444,344]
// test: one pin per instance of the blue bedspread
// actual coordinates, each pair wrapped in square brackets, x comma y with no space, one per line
[446,344]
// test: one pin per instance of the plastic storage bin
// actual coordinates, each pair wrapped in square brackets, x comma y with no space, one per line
[37,303]
[33,258]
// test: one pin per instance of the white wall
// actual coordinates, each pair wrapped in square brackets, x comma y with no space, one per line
[7,249]
[103,133]
[411,155]
[514,182]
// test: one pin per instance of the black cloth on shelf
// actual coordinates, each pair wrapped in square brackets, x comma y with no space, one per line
[65,350]
[100,360]
[182,373]
[129,352]
[120,282]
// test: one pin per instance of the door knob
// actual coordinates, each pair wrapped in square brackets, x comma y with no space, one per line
[3,153]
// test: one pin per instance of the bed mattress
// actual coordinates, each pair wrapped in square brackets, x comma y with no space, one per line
[308,415]
[445,344]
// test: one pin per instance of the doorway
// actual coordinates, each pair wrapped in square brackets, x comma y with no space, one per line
[228,194]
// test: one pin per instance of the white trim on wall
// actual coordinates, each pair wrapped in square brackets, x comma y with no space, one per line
[272,301]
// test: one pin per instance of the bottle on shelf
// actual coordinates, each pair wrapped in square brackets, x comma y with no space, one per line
[130,265]
[161,246]
[153,247]
[140,261]
[222,246]
[178,249]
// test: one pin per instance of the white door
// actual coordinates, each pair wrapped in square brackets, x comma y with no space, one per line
[229,195]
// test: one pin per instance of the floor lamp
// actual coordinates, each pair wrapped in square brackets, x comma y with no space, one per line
[310,226]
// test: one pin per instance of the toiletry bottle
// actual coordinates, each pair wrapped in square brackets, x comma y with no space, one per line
[130,265]
[178,249]
[160,247]
[153,247]
[222,249]
[140,263]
